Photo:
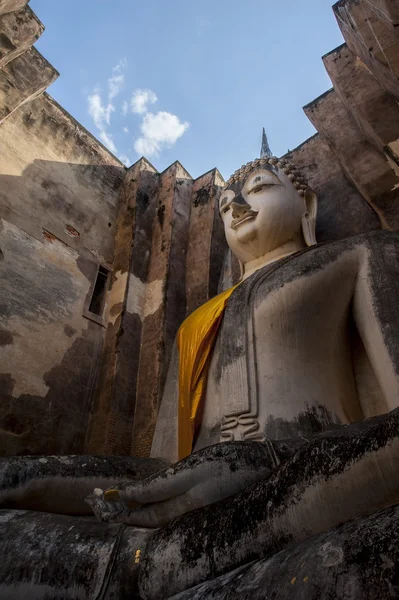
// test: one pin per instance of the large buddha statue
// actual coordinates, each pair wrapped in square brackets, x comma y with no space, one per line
[278,418]
[303,344]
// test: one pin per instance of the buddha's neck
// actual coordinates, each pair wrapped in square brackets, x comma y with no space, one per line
[282,251]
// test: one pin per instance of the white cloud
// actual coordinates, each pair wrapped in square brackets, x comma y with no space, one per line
[101,116]
[108,141]
[115,85]
[146,147]
[100,113]
[159,130]
[141,99]
[117,81]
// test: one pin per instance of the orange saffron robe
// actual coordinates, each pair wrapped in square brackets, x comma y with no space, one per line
[195,340]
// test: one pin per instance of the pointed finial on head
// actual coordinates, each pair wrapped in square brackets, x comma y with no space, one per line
[265,151]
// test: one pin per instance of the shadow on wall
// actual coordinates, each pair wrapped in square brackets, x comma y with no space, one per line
[57,224]
[75,202]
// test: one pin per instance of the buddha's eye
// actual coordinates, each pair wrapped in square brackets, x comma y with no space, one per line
[260,187]
[226,209]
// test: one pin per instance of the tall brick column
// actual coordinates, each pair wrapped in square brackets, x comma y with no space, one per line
[113,409]
[164,302]
[207,245]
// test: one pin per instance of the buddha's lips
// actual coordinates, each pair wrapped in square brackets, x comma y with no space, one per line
[251,214]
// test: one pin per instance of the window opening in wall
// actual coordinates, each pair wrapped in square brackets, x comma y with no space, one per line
[98,298]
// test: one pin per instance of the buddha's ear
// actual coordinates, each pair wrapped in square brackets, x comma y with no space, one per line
[309,218]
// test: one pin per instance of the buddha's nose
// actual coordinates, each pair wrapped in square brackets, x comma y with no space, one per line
[239,207]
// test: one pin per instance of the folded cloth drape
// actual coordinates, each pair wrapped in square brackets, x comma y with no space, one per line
[195,340]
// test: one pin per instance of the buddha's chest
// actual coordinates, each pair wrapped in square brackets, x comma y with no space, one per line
[282,361]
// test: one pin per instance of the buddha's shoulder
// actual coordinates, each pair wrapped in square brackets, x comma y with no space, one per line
[374,245]
[375,242]
[378,247]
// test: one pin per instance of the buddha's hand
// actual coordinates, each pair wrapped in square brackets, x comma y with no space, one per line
[103,509]
[202,478]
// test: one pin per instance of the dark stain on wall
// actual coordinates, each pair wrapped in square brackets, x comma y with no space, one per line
[28,120]
[69,331]
[6,387]
[202,197]
[145,214]
[142,200]
[6,338]
[5,44]
[161,214]
[126,382]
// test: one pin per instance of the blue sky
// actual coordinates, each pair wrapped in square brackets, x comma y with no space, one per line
[189,80]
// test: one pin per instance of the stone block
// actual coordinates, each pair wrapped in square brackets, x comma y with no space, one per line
[372,40]
[7,6]
[18,32]
[375,110]
[365,166]
[369,24]
[22,80]
[386,10]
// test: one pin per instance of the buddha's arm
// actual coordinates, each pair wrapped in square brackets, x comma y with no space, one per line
[59,484]
[204,477]
[376,312]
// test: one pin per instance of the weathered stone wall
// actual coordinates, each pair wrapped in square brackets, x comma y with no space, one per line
[372,36]
[59,190]
[112,419]
[19,30]
[55,176]
[7,6]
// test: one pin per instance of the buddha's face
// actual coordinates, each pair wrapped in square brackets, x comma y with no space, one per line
[261,213]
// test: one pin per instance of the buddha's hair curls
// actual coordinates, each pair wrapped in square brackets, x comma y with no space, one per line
[298,180]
